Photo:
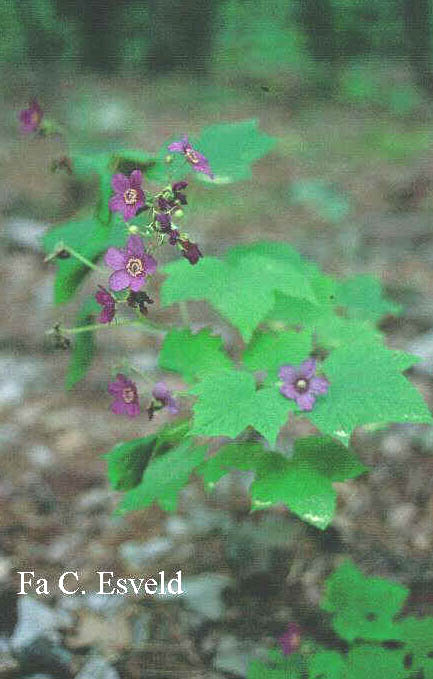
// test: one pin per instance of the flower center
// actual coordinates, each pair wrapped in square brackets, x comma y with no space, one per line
[192,156]
[135,267]
[301,385]
[128,395]
[34,117]
[130,196]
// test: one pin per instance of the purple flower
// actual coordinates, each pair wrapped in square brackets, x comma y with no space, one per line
[108,304]
[190,250]
[301,384]
[30,118]
[131,265]
[178,194]
[197,160]
[129,196]
[125,396]
[291,639]
[162,394]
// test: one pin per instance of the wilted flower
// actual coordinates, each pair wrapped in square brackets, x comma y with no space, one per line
[190,250]
[30,118]
[162,393]
[178,194]
[301,384]
[108,304]
[164,222]
[291,639]
[197,160]
[131,265]
[125,396]
[129,196]
[139,299]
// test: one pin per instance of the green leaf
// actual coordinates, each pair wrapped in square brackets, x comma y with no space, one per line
[375,663]
[363,607]
[228,403]
[127,462]
[366,387]
[269,351]
[192,354]
[164,477]
[363,297]
[83,345]
[101,165]
[88,237]
[417,634]
[303,483]
[322,198]
[327,665]
[278,666]
[242,288]
[231,148]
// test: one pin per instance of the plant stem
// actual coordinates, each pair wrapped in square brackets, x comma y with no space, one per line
[152,328]
[81,258]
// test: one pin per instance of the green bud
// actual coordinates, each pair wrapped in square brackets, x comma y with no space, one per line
[178,214]
[133,229]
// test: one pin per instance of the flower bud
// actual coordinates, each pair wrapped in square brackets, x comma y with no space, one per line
[168,159]
[178,214]
[133,229]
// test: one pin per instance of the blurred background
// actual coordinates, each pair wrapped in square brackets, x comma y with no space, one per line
[346,88]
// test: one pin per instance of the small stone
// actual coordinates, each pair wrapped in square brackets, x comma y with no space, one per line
[203,594]
[97,668]
[402,516]
[141,629]
[36,620]
[233,656]
[45,655]
[139,555]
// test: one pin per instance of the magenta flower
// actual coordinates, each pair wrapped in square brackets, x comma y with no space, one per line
[131,265]
[197,160]
[30,118]
[163,394]
[301,384]
[128,195]
[190,250]
[291,639]
[125,396]
[108,304]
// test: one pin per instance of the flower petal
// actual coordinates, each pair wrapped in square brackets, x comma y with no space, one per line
[288,373]
[150,264]
[305,401]
[119,183]
[119,280]
[134,247]
[307,368]
[288,390]
[179,146]
[118,407]
[116,203]
[319,385]
[135,283]
[115,258]
[135,179]
[132,409]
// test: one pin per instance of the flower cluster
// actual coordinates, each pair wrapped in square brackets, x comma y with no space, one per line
[126,401]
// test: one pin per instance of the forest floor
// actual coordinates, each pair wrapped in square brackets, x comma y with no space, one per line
[351,189]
